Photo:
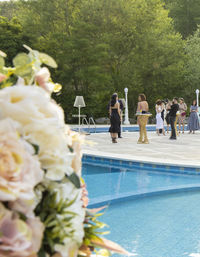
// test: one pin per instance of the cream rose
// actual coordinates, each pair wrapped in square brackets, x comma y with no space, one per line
[19,238]
[42,123]
[28,104]
[19,169]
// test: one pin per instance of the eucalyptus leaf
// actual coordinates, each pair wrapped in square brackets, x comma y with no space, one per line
[21,59]
[22,63]
[48,60]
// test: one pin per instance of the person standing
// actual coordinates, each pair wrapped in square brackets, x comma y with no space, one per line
[115,117]
[193,123]
[142,120]
[159,118]
[121,110]
[162,115]
[168,107]
[182,109]
[172,117]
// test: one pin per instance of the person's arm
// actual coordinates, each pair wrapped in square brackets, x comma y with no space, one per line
[119,111]
[138,107]
[157,109]
[110,110]
[147,107]
[185,107]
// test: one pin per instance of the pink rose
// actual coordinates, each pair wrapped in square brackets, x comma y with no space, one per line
[19,238]
[42,78]
[20,170]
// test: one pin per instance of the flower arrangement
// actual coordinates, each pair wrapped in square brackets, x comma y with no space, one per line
[43,200]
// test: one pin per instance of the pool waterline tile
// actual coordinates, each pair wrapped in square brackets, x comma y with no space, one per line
[193,170]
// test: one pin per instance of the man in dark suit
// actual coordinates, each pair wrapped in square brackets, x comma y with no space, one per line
[172,117]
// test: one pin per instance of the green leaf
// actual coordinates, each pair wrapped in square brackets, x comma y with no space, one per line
[2,62]
[48,60]
[36,148]
[41,253]
[23,65]
[21,59]
[75,180]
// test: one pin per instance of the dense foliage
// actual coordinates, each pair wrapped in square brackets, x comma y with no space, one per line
[103,46]
[186,15]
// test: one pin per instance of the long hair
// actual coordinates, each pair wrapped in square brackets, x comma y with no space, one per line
[142,97]
[158,102]
[195,102]
[113,100]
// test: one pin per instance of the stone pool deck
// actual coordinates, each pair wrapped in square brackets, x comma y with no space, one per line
[184,151]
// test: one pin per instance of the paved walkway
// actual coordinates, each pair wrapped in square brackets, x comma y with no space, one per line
[184,151]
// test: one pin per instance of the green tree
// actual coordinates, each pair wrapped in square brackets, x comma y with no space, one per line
[186,15]
[11,37]
[102,46]
[192,68]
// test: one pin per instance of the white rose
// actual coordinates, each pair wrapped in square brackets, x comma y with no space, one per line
[54,155]
[27,104]
[42,123]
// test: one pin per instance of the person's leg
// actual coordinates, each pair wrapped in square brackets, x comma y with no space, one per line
[183,126]
[145,120]
[115,137]
[172,119]
[141,133]
[179,126]
[157,131]
[146,141]
[119,133]
[163,131]
[140,127]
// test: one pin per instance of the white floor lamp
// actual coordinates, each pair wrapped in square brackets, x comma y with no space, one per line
[79,102]
[126,120]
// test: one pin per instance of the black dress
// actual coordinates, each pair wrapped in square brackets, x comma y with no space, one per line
[115,121]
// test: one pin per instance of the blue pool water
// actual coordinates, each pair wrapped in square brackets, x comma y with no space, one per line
[124,129]
[163,225]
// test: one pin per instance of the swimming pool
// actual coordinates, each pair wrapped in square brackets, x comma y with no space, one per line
[104,129]
[152,212]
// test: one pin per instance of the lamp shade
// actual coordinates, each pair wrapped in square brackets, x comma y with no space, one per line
[79,101]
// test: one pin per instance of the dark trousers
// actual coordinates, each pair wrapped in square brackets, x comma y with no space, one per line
[119,133]
[172,121]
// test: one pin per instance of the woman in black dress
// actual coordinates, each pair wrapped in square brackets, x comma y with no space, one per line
[115,117]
